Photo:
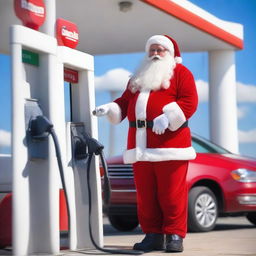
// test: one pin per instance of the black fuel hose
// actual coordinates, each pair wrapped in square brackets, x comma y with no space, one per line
[61,171]
[112,251]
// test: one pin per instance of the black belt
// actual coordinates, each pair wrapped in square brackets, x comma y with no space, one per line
[141,124]
[149,124]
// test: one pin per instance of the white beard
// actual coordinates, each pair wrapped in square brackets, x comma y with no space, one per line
[153,74]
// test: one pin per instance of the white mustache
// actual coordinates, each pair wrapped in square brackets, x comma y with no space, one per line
[155,57]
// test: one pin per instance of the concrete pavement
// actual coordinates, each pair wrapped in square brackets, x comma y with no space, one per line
[232,237]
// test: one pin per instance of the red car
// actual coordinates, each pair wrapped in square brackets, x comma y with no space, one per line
[220,183]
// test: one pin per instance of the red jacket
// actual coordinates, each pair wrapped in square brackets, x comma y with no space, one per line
[178,102]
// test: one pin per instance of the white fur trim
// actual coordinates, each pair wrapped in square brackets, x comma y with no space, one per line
[178,60]
[141,105]
[158,154]
[141,138]
[175,115]
[114,114]
[141,113]
[162,40]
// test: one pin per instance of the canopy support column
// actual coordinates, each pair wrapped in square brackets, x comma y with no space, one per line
[222,95]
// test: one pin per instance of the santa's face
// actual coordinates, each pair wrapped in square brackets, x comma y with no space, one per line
[155,72]
[156,50]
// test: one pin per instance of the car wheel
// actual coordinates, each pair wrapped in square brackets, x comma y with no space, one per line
[202,209]
[251,216]
[124,222]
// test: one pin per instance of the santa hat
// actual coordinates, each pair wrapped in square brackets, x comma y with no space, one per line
[168,43]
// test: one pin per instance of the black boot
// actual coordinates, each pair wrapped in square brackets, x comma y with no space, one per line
[174,243]
[151,242]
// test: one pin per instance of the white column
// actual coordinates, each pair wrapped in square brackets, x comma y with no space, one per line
[54,106]
[49,25]
[222,95]
[51,98]
[83,96]
[20,219]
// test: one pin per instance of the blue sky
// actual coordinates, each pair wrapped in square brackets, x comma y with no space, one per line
[114,70]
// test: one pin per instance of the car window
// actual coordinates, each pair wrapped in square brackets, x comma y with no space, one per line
[199,148]
[204,146]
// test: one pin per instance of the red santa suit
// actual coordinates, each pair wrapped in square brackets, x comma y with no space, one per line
[178,102]
[160,162]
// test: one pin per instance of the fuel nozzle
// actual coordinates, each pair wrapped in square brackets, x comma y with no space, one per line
[94,146]
[40,127]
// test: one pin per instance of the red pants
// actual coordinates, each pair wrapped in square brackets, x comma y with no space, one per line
[162,196]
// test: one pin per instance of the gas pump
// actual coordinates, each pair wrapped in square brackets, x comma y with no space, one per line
[82,121]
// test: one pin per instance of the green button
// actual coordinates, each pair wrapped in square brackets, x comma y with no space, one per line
[30,57]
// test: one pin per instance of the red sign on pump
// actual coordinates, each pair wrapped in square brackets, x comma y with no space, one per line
[31,12]
[67,33]
[70,75]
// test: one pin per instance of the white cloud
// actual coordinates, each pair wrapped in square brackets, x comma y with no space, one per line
[247,136]
[202,90]
[242,112]
[5,138]
[114,80]
[246,92]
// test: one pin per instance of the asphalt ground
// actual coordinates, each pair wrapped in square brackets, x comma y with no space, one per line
[232,237]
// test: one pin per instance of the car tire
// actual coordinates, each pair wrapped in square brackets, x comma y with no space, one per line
[251,216]
[123,222]
[202,209]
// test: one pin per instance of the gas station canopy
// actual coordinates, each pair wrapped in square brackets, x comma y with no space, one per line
[116,26]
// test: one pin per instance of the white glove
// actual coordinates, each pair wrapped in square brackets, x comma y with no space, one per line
[101,110]
[160,124]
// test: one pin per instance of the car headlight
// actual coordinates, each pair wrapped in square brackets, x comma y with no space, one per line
[244,175]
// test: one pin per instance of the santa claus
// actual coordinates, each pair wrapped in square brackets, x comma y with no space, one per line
[158,101]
